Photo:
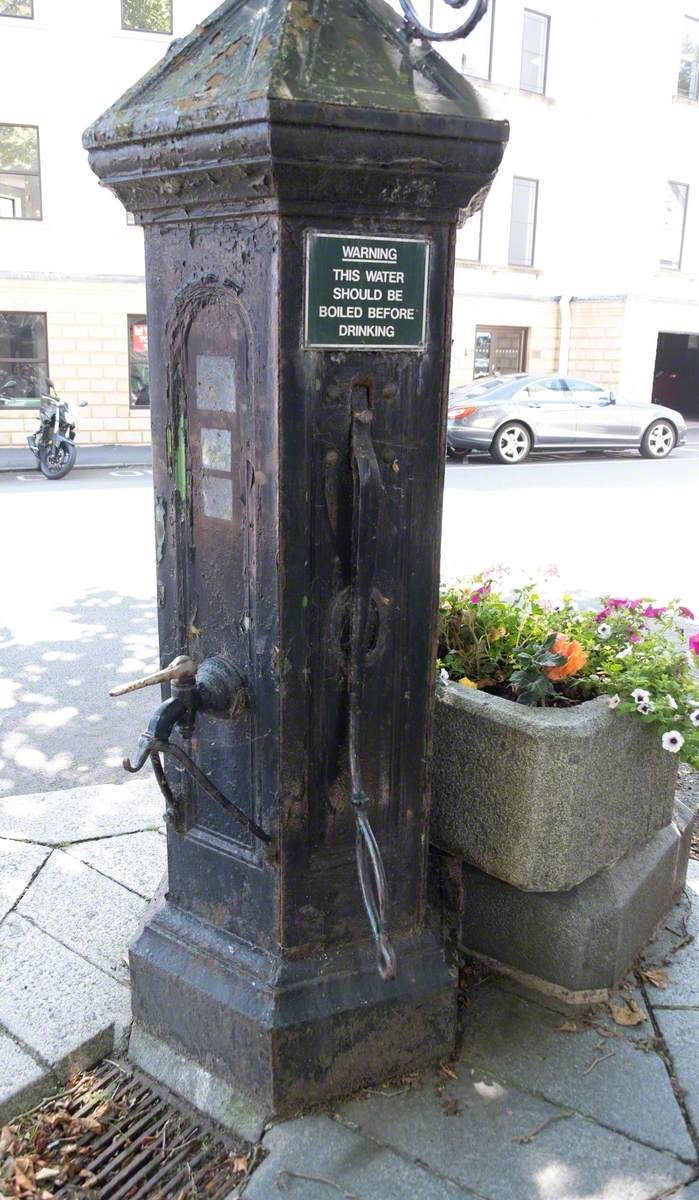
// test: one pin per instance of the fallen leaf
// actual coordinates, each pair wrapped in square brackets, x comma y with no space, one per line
[47,1173]
[446,1070]
[627,1014]
[241,1163]
[567,1027]
[657,978]
[23,1181]
[451,1106]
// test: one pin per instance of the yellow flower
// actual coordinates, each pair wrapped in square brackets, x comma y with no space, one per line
[466,682]
[495,634]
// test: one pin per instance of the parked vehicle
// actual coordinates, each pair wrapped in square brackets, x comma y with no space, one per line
[53,443]
[512,416]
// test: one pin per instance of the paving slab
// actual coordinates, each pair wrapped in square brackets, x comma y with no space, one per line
[82,813]
[136,860]
[506,1144]
[680,1030]
[19,862]
[628,1088]
[676,949]
[69,1013]
[317,1146]
[85,911]
[22,1080]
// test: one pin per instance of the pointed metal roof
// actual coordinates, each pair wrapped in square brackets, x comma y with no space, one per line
[355,53]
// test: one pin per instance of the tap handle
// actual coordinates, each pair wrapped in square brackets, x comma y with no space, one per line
[181,670]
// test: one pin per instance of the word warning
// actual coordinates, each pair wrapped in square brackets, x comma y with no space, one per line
[366,293]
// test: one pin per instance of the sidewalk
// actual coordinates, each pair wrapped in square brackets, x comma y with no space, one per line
[18,458]
[543,1102]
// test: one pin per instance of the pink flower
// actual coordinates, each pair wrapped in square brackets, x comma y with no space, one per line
[686,612]
[634,604]
[694,644]
[634,637]
[617,603]
[653,612]
[603,614]
[480,593]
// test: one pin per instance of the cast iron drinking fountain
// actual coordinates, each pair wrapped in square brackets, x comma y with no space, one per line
[299,168]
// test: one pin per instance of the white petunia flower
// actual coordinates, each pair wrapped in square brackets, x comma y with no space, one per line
[444,675]
[625,652]
[671,702]
[673,741]
[639,696]
[614,701]
[604,631]
[694,717]
[645,707]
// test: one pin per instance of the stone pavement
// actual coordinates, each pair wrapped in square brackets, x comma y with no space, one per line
[543,1102]
[77,871]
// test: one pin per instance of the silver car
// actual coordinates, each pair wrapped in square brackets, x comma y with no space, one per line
[510,417]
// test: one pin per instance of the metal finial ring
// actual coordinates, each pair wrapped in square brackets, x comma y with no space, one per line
[449,35]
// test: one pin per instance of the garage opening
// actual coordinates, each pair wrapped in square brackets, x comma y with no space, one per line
[676,377]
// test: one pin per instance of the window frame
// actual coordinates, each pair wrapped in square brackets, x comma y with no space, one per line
[15,17]
[21,312]
[139,29]
[546,17]
[664,264]
[29,174]
[535,220]
[489,77]
[131,320]
[694,94]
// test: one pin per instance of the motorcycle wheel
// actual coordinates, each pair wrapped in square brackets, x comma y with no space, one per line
[57,461]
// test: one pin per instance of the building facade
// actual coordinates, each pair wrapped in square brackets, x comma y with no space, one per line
[72,289]
[585,258]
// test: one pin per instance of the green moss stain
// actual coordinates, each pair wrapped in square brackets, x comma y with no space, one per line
[180,460]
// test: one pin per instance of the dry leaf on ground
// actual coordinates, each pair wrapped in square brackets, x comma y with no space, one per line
[567,1027]
[657,978]
[627,1014]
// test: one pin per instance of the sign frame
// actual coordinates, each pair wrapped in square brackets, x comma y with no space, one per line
[415,348]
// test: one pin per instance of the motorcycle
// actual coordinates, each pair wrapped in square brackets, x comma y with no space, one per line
[53,444]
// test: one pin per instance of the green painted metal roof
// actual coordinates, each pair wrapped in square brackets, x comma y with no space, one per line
[332,52]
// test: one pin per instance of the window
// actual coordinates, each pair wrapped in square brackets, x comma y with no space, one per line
[545,391]
[147,16]
[523,222]
[535,47]
[130,219]
[17,8]
[24,366]
[587,393]
[500,349]
[469,238]
[20,182]
[673,228]
[688,78]
[139,377]
[477,58]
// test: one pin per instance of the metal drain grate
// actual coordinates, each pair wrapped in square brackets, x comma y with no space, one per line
[114,1138]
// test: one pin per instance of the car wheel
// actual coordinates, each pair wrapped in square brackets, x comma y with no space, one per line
[511,444]
[659,440]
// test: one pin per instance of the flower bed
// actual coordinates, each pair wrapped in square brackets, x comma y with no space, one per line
[538,653]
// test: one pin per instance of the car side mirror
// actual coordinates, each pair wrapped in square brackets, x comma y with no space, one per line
[612,398]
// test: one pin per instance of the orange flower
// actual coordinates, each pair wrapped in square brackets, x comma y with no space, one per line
[573,652]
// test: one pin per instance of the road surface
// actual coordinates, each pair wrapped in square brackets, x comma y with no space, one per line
[77,611]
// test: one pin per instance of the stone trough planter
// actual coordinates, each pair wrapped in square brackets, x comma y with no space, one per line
[543,798]
[557,842]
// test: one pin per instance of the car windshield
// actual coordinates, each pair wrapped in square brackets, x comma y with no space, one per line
[480,388]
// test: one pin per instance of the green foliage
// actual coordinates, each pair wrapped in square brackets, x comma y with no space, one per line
[629,650]
[154,16]
[530,681]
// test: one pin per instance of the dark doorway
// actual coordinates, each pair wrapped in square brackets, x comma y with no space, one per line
[500,349]
[676,375]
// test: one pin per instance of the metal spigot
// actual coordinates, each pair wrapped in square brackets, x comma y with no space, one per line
[180,670]
[214,687]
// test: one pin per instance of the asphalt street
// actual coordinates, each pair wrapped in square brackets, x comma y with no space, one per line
[77,609]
